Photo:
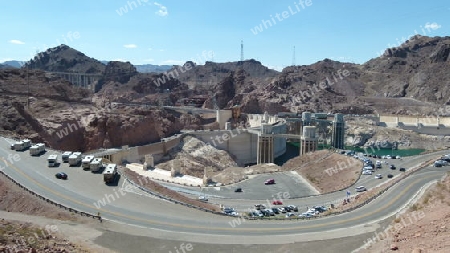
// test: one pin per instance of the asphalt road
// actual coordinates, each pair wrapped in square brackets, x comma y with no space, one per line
[83,189]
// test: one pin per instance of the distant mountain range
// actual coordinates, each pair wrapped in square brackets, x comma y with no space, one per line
[145,68]
[149,68]
[14,64]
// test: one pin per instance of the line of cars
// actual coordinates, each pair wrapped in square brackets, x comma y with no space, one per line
[443,161]
[88,162]
[37,150]
[289,211]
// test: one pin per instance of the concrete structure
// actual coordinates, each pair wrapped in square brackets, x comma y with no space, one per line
[83,80]
[430,125]
[308,141]
[338,132]
[265,148]
[306,119]
[222,116]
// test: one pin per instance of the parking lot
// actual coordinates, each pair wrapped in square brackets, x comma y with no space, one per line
[255,188]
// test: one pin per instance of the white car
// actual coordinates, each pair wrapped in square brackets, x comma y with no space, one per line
[203,198]
[312,211]
[289,215]
[360,189]
[306,215]
[367,172]
[378,176]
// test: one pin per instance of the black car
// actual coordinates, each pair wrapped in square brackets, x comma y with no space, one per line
[238,190]
[61,175]
[392,167]
[390,176]
[402,169]
[320,209]
[275,210]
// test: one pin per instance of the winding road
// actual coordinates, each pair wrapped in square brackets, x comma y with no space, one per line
[87,192]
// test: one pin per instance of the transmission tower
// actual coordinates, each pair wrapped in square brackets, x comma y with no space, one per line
[242,50]
[293,57]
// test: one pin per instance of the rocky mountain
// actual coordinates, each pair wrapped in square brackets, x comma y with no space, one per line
[419,68]
[416,74]
[413,78]
[65,59]
[212,73]
[14,64]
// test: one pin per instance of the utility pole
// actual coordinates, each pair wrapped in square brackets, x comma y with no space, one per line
[242,50]
[293,57]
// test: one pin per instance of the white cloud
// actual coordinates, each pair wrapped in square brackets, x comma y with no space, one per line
[433,26]
[130,46]
[119,59]
[17,42]
[149,60]
[150,49]
[172,62]
[162,10]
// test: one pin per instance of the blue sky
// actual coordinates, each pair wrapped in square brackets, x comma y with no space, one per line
[172,32]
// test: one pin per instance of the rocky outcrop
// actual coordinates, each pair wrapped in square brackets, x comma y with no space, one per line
[441,53]
[65,59]
[194,155]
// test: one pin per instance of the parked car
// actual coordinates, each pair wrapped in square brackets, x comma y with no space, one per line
[61,175]
[228,210]
[203,198]
[378,176]
[442,162]
[269,181]
[281,210]
[276,210]
[392,167]
[238,190]
[390,176]
[293,208]
[367,172]
[260,206]
[320,209]
[402,169]
[289,215]
[360,189]
[287,208]
[277,202]
[437,164]
[306,215]
[312,211]
[257,214]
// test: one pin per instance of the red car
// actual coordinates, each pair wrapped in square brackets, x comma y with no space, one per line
[277,202]
[269,181]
